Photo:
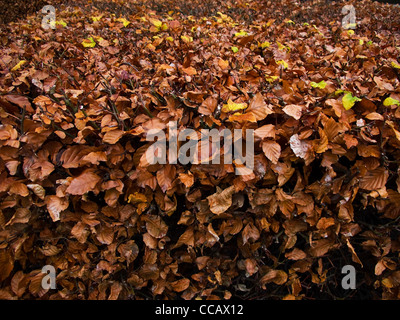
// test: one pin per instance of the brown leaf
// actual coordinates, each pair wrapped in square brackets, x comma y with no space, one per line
[354,255]
[80,232]
[272,150]
[19,283]
[38,190]
[180,285]
[156,226]
[22,215]
[115,290]
[325,223]
[187,179]
[267,131]
[187,238]
[55,206]
[19,188]
[374,179]
[20,101]
[293,110]
[165,176]
[208,106]
[221,200]
[250,232]
[112,137]
[84,183]
[259,108]
[278,277]
[105,235]
[129,251]
[50,250]
[320,247]
[296,254]
[6,264]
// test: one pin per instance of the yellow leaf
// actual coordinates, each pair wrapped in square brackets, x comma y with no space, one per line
[241,34]
[96,18]
[320,85]
[124,21]
[395,65]
[137,198]
[88,43]
[187,39]
[390,101]
[61,22]
[348,101]
[232,106]
[271,79]
[351,26]
[155,22]
[239,117]
[280,45]
[18,65]
[283,63]
[265,44]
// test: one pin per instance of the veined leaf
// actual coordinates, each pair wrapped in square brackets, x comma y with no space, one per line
[348,101]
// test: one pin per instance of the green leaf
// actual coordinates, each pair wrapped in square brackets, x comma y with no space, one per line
[348,101]
[319,85]
[235,49]
[390,101]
